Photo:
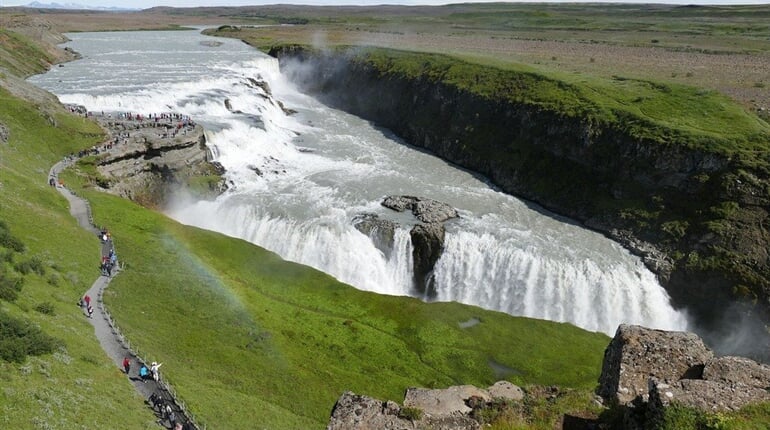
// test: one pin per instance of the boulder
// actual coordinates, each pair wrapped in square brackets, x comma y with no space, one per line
[429,211]
[738,370]
[355,412]
[506,390]
[636,354]
[705,396]
[399,203]
[426,210]
[446,402]
[427,247]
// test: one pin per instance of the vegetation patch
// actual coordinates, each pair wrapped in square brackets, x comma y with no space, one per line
[18,339]
[54,372]
[663,112]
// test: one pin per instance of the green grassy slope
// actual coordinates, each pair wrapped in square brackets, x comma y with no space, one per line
[21,56]
[235,325]
[77,386]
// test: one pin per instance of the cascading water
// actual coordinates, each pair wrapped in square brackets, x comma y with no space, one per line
[298,182]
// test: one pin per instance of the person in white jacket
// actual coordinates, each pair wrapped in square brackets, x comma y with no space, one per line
[154,370]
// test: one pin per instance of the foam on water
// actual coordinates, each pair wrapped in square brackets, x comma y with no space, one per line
[298,181]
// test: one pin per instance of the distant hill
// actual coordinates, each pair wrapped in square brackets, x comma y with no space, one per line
[75,6]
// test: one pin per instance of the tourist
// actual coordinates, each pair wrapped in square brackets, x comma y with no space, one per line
[154,369]
[126,365]
[144,374]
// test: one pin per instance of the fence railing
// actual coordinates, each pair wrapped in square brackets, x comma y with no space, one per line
[163,385]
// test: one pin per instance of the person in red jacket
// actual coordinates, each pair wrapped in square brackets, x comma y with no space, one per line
[126,365]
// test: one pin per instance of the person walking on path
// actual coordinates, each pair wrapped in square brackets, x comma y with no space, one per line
[126,365]
[154,370]
[87,299]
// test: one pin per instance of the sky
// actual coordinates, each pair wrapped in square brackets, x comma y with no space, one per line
[142,4]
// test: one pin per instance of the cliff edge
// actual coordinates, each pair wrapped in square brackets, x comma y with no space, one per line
[693,205]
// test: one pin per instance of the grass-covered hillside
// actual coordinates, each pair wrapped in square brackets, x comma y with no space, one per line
[54,373]
[247,339]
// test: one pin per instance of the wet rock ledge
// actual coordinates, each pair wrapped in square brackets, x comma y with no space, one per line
[147,158]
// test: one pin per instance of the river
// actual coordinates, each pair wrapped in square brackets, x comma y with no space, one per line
[298,180]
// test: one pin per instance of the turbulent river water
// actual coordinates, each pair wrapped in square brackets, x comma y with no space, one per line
[297,182]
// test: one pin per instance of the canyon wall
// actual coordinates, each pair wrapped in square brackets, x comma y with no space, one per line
[696,217]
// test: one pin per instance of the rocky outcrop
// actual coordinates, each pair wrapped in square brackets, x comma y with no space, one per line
[645,371]
[4,133]
[427,247]
[427,237]
[356,412]
[695,217]
[453,408]
[146,160]
[636,353]
[426,210]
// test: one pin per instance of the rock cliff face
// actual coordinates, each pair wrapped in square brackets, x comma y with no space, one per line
[147,160]
[696,218]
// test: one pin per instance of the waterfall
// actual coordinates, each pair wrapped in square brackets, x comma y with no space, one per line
[299,181]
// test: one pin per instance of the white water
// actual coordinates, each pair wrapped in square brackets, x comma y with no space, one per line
[321,167]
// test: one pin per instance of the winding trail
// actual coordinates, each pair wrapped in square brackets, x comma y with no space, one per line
[112,341]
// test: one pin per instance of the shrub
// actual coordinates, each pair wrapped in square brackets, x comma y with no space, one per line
[34,264]
[411,414]
[18,339]
[676,229]
[10,285]
[9,241]
[45,308]
[53,280]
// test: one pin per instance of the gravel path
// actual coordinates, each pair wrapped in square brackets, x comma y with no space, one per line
[112,342]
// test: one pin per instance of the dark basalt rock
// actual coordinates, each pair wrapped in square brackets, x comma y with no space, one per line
[426,210]
[427,247]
